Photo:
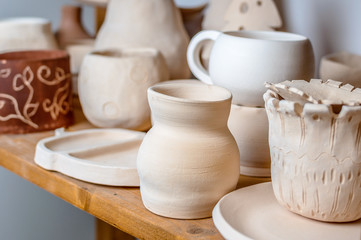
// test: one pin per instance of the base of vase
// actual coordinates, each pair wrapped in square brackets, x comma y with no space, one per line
[171,213]
[255,172]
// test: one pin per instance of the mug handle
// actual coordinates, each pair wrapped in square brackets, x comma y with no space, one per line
[194,52]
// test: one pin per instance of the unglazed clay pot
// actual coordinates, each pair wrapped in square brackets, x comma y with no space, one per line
[112,86]
[189,159]
[35,91]
[242,61]
[342,66]
[26,34]
[315,154]
[71,27]
[249,126]
[152,23]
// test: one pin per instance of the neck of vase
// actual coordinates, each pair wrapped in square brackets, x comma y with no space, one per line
[71,14]
[189,104]
[191,116]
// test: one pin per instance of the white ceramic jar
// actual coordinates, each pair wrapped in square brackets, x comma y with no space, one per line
[189,159]
[112,86]
[26,34]
[242,61]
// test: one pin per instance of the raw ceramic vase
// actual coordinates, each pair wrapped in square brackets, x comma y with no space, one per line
[112,86]
[71,27]
[192,18]
[316,157]
[35,91]
[152,23]
[242,61]
[249,127]
[189,159]
[26,34]
[342,66]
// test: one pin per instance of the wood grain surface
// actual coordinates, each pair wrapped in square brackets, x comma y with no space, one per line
[119,206]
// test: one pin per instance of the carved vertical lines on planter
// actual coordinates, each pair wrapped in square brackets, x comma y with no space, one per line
[282,121]
[348,204]
[304,196]
[358,139]
[303,131]
[332,134]
[335,200]
[323,178]
[342,178]
[349,176]
[332,174]
[317,201]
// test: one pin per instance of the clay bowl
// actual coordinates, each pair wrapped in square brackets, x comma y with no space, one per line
[342,66]
[315,153]
[26,33]
[35,91]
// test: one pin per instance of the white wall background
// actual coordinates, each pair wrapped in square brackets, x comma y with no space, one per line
[332,25]
[28,212]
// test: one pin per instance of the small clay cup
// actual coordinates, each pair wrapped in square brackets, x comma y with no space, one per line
[35,91]
[342,66]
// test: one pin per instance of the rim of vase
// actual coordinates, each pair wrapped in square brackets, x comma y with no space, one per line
[190,93]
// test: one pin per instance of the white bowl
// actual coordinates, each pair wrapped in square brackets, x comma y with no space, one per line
[26,33]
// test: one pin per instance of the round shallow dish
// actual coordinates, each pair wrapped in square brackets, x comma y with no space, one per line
[253,213]
[103,156]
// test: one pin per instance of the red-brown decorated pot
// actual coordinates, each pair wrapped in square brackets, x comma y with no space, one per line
[35,91]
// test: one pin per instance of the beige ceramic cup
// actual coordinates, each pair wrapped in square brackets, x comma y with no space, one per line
[242,61]
[342,66]
[112,86]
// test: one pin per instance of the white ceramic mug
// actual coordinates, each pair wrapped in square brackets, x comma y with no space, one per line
[242,61]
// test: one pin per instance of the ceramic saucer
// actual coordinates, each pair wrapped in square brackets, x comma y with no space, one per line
[102,156]
[254,213]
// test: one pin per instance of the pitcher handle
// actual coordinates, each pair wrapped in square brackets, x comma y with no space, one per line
[194,54]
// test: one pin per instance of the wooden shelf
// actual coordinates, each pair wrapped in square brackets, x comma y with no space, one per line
[120,207]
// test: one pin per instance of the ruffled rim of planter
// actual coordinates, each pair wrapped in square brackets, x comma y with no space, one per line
[305,104]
